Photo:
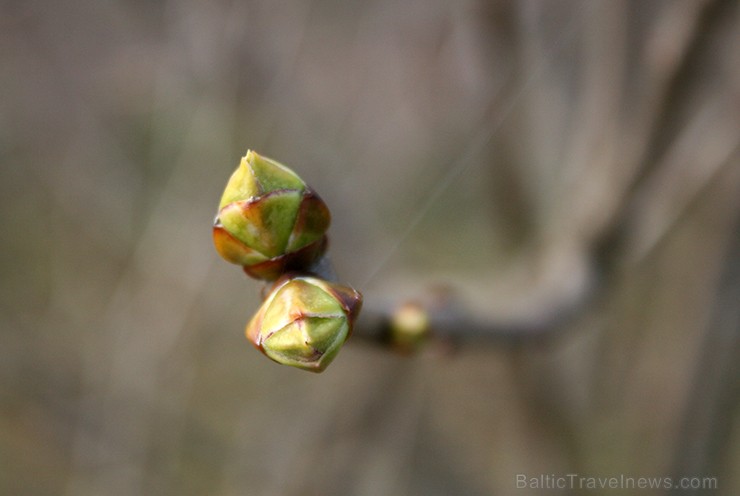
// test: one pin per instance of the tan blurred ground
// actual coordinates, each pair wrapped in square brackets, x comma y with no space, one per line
[589,153]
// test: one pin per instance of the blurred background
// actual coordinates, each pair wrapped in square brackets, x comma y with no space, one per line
[568,171]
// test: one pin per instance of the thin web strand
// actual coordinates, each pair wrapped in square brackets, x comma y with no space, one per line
[463,162]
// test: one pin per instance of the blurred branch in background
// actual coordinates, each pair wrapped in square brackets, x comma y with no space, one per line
[558,180]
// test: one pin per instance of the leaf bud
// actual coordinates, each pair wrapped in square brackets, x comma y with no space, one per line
[304,321]
[269,221]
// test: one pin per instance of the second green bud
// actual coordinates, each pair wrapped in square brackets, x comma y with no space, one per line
[304,321]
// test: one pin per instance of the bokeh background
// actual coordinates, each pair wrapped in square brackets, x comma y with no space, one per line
[568,171]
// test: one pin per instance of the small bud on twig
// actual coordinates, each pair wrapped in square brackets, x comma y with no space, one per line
[409,327]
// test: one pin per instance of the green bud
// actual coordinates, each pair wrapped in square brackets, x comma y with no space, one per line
[269,220]
[409,327]
[304,321]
